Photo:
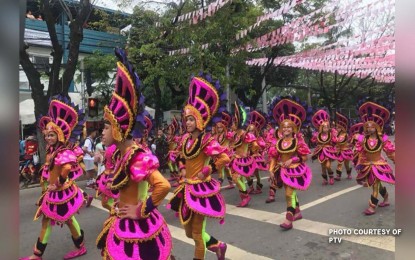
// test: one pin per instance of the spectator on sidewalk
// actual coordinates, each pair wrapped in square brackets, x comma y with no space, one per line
[89,149]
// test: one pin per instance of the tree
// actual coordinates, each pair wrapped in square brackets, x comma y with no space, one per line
[60,74]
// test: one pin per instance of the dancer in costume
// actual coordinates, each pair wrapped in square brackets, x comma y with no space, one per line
[242,163]
[287,166]
[372,169]
[198,196]
[344,151]
[104,180]
[355,131]
[257,121]
[224,138]
[135,228]
[325,139]
[173,142]
[61,198]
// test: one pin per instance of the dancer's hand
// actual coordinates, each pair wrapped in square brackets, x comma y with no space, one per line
[108,185]
[287,163]
[200,176]
[52,187]
[129,211]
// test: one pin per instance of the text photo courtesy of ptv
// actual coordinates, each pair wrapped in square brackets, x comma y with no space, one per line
[335,234]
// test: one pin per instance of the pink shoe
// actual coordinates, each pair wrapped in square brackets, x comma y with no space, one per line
[289,216]
[271,197]
[331,181]
[219,249]
[338,178]
[325,182]
[250,190]
[367,212]
[75,253]
[297,214]
[349,176]
[383,204]
[245,200]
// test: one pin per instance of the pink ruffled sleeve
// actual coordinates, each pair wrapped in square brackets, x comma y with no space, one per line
[359,142]
[78,151]
[302,148]
[64,157]
[272,152]
[214,148]
[261,142]
[249,138]
[230,135]
[388,147]
[109,164]
[142,166]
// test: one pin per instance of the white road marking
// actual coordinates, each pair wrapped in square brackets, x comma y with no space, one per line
[232,252]
[328,197]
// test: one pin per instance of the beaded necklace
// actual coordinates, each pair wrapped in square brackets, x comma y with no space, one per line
[320,140]
[375,149]
[194,150]
[292,146]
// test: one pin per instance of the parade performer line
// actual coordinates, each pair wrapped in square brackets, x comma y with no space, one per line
[310,226]
[233,252]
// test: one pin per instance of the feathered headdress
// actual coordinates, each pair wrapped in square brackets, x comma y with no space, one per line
[226,119]
[125,110]
[320,119]
[342,121]
[205,102]
[173,126]
[258,119]
[64,118]
[289,110]
[356,129]
[371,112]
[240,116]
[148,122]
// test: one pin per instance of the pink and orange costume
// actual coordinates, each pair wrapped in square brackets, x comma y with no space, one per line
[147,236]
[196,199]
[224,139]
[344,149]
[108,196]
[372,169]
[173,142]
[257,121]
[243,164]
[325,152]
[289,112]
[61,198]
[355,131]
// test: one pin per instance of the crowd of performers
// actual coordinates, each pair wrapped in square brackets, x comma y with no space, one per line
[209,147]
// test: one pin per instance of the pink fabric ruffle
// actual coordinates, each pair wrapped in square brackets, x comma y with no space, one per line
[64,157]
[302,147]
[214,148]
[143,165]
[249,138]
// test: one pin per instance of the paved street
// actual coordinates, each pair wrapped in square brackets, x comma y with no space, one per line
[253,232]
